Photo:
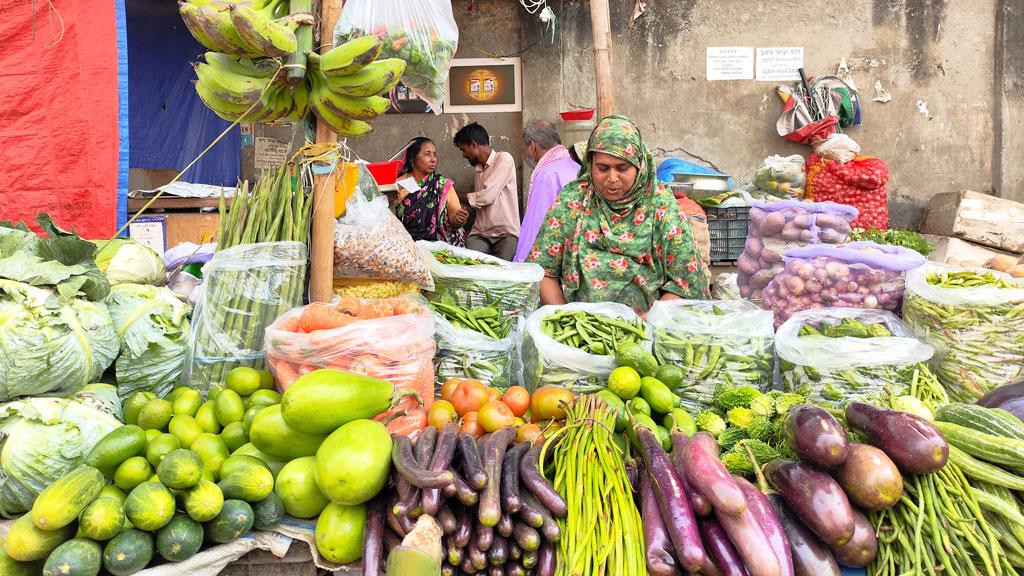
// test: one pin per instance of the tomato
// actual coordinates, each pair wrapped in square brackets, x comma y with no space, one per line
[549,402]
[495,416]
[449,388]
[471,425]
[518,399]
[493,394]
[469,396]
[441,413]
[529,433]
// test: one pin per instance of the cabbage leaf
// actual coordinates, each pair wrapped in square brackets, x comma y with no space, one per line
[124,260]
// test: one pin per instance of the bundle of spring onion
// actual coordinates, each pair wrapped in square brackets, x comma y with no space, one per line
[257,274]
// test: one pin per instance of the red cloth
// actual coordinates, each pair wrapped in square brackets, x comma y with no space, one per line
[59,126]
[859,183]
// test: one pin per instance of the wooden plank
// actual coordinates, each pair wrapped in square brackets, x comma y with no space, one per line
[321,242]
[601,25]
[950,250]
[976,217]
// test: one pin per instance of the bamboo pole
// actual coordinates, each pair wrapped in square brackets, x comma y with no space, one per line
[602,30]
[321,242]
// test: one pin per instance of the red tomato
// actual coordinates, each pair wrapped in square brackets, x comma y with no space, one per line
[549,402]
[471,425]
[493,394]
[528,433]
[495,416]
[441,413]
[449,388]
[469,396]
[518,399]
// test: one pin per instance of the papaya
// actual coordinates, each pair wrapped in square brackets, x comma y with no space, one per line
[405,560]
[272,436]
[322,400]
[339,533]
[296,485]
[353,463]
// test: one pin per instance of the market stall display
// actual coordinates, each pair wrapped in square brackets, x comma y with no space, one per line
[477,343]
[975,321]
[777,227]
[472,278]
[715,344]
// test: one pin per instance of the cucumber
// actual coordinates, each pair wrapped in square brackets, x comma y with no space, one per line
[129,552]
[76,557]
[102,520]
[268,512]
[990,448]
[60,503]
[992,421]
[116,447]
[26,543]
[11,567]
[250,485]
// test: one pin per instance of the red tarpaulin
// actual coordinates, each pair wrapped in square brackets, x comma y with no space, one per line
[59,125]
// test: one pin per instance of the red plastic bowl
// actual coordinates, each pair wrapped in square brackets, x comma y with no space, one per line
[385,173]
[576,115]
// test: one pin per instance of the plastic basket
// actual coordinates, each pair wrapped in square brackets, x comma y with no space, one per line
[385,173]
[728,230]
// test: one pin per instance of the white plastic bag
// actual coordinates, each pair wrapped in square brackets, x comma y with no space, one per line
[978,332]
[245,288]
[466,353]
[421,32]
[715,343]
[371,244]
[515,286]
[547,362]
[835,371]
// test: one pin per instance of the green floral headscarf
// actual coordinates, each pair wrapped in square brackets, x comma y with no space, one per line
[630,250]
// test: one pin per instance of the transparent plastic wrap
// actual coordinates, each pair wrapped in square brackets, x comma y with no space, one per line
[782,177]
[866,355]
[547,362]
[977,328]
[371,244]
[421,32]
[244,289]
[466,353]
[715,343]
[391,339]
[854,275]
[779,226]
[476,279]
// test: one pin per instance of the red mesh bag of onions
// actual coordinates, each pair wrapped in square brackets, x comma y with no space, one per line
[855,275]
[780,226]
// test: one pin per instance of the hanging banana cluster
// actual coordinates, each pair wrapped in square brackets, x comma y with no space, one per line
[262,67]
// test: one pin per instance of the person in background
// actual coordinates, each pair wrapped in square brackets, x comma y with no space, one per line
[553,169]
[578,152]
[433,212]
[616,234]
[495,196]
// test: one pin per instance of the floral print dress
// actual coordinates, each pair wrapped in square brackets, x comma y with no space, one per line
[629,251]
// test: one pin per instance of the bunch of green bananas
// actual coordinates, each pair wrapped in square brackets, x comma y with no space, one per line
[249,90]
[262,28]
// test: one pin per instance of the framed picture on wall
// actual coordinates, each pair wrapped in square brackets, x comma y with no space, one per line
[484,85]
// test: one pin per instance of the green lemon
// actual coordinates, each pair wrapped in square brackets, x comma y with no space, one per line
[160,447]
[156,414]
[234,436]
[134,404]
[185,428]
[266,380]
[671,375]
[187,402]
[206,417]
[132,472]
[638,405]
[228,407]
[243,381]
[624,382]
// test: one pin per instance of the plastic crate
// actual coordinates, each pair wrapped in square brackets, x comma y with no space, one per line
[728,230]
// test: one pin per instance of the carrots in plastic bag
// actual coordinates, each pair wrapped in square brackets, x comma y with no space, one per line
[411,422]
[320,317]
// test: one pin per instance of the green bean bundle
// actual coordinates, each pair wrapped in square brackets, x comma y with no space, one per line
[450,257]
[472,343]
[592,333]
[602,533]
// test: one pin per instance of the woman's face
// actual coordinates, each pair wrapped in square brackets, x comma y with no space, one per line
[426,160]
[613,177]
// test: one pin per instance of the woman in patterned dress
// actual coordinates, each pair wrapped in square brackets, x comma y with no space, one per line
[433,212]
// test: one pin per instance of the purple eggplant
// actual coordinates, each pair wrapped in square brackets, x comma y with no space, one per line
[708,476]
[718,545]
[870,478]
[529,473]
[504,527]
[699,504]
[463,530]
[761,508]
[1009,398]
[912,442]
[658,549]
[816,436]
[546,560]
[751,543]
[489,507]
[424,448]
[810,556]
[373,539]
[444,449]
[484,537]
[862,547]
[498,552]
[510,477]
[675,506]
[815,497]
[474,470]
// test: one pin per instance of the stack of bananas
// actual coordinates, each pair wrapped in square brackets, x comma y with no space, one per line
[262,68]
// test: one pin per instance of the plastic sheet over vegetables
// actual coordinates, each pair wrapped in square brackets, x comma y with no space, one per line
[860,366]
[549,362]
[466,353]
[976,326]
[777,227]
[715,343]
[477,279]
[855,275]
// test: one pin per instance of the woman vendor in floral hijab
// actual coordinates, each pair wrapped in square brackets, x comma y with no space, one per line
[616,234]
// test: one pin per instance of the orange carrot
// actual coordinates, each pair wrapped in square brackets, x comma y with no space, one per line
[289,324]
[285,373]
[413,421]
[349,305]
[319,317]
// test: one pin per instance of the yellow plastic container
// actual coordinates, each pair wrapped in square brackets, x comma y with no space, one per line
[347,177]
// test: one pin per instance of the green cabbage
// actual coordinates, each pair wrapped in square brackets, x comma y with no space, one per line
[124,260]
[42,439]
[50,345]
[153,328]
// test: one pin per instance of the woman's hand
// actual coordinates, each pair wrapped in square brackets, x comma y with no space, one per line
[459,217]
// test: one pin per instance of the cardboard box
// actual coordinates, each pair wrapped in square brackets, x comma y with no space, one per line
[265,146]
[947,248]
[980,218]
[175,228]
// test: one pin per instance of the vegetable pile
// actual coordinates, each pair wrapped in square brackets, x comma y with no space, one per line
[450,258]
[893,237]
[473,279]
[472,343]
[592,333]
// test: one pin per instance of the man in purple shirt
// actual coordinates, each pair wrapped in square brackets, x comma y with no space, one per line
[554,169]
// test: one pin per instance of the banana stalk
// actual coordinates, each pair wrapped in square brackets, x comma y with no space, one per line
[304,35]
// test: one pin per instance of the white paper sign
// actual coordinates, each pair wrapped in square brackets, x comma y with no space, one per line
[779,64]
[730,63]
[270,152]
[408,184]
